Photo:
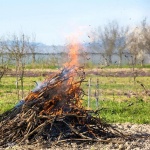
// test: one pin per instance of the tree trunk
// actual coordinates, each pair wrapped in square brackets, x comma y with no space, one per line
[120,59]
[109,59]
[33,58]
[142,62]
[17,78]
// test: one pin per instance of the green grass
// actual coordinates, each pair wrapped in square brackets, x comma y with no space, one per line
[128,66]
[41,66]
[8,92]
[134,111]
[119,88]
[116,95]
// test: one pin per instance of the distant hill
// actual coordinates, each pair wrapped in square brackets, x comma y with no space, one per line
[94,47]
[42,48]
[39,47]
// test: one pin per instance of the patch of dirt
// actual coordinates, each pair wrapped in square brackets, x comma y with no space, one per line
[100,72]
[139,140]
[120,73]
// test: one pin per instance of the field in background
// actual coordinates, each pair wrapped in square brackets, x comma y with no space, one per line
[120,99]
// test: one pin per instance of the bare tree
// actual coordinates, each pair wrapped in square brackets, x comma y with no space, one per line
[121,42]
[104,41]
[146,35]
[4,61]
[108,38]
[18,47]
[2,52]
[133,47]
[138,43]
[32,47]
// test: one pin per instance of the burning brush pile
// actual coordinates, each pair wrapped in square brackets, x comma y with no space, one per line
[53,113]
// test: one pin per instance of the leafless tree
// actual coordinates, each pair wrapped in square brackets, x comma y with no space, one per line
[32,48]
[121,42]
[18,47]
[133,47]
[146,35]
[108,37]
[138,43]
[104,40]
[4,61]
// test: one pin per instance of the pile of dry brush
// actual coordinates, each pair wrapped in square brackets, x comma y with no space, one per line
[53,113]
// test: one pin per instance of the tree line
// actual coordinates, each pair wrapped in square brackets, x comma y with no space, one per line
[107,40]
[114,38]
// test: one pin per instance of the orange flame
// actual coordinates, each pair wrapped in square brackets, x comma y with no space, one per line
[73,53]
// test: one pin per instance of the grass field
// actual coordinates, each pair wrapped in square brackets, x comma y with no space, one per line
[120,99]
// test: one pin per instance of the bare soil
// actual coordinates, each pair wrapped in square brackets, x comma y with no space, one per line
[139,134]
[127,72]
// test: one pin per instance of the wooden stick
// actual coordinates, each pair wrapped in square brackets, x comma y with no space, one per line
[76,132]
[94,140]
[89,92]
[27,135]
[97,93]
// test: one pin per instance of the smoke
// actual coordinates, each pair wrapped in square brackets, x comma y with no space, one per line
[64,75]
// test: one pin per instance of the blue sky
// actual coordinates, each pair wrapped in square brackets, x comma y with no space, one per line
[53,21]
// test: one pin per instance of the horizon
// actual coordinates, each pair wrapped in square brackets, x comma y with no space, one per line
[55,22]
